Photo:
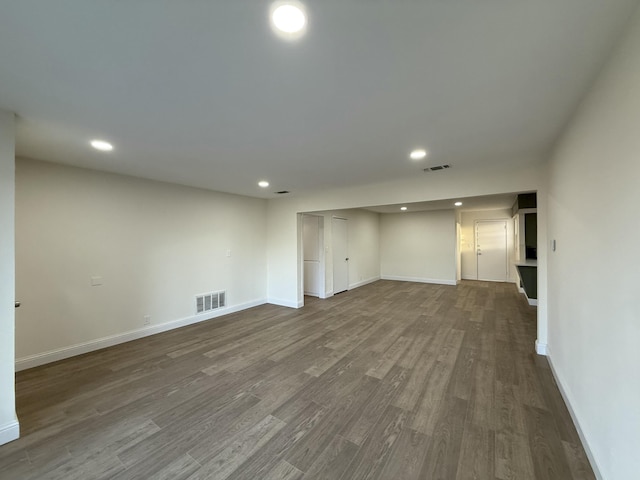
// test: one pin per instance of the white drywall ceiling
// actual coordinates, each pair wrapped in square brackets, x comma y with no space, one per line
[202,93]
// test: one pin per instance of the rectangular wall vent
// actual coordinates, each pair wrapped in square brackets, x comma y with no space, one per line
[436,168]
[210,301]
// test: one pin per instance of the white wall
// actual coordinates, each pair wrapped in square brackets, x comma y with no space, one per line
[9,429]
[155,245]
[594,275]
[419,246]
[363,244]
[467,241]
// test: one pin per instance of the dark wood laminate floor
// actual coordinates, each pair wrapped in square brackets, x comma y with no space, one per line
[392,380]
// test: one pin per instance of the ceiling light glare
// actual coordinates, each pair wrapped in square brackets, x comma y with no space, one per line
[418,154]
[263,183]
[403,208]
[101,145]
[458,204]
[288,19]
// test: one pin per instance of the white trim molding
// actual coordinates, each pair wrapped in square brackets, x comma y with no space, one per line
[285,303]
[541,348]
[583,439]
[92,345]
[437,281]
[9,432]
[362,283]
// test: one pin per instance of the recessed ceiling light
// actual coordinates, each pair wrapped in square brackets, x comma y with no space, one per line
[418,154]
[403,208]
[101,145]
[263,183]
[288,17]
[458,204]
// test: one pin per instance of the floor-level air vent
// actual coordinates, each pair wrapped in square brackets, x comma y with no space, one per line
[436,168]
[210,301]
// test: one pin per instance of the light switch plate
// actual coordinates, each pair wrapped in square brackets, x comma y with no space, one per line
[95,281]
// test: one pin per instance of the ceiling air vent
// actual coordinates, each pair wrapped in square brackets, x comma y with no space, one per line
[210,301]
[282,192]
[436,168]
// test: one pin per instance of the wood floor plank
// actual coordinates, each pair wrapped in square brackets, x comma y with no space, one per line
[364,420]
[389,358]
[413,389]
[179,469]
[333,461]
[390,380]
[545,445]
[179,437]
[513,457]
[304,453]
[429,410]
[270,455]
[407,463]
[578,463]
[476,453]
[283,471]
[482,411]
[221,466]
[416,348]
[463,373]
[443,453]
[509,410]
[372,457]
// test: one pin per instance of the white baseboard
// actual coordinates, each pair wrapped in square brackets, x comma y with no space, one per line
[363,282]
[418,280]
[9,432]
[541,348]
[78,349]
[285,303]
[327,294]
[567,402]
[531,301]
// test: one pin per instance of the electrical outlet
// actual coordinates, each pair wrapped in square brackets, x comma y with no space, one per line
[147,319]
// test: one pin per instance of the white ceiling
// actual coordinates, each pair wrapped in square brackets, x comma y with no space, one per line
[202,93]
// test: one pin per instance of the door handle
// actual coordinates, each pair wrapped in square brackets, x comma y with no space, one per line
[17,304]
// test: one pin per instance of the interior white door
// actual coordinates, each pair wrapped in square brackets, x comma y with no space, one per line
[491,250]
[340,255]
[311,252]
